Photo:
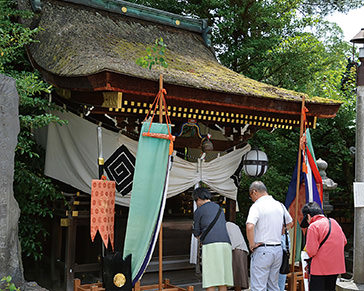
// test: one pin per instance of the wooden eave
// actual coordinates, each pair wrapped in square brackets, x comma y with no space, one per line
[88,90]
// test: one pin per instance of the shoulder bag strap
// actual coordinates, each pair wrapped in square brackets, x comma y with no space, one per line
[328,233]
[285,228]
[326,237]
[211,225]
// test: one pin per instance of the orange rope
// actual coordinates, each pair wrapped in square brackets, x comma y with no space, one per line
[158,135]
[155,104]
[168,121]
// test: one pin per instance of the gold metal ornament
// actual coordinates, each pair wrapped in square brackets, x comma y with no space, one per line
[119,280]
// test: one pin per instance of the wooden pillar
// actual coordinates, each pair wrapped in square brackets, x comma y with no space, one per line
[293,282]
[70,251]
[160,99]
[230,210]
[77,283]
[298,184]
[161,229]
[137,286]
[160,258]
[70,255]
[55,250]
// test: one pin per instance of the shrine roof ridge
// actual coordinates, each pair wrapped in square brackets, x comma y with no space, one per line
[142,12]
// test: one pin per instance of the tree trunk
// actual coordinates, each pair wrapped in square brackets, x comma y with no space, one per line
[10,251]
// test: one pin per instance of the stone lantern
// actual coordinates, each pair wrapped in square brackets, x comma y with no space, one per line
[328,185]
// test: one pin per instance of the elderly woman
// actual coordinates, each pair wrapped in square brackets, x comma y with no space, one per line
[325,242]
[216,247]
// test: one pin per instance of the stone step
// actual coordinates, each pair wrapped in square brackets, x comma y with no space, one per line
[170,263]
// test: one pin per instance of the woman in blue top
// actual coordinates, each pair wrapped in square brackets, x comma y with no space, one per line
[216,247]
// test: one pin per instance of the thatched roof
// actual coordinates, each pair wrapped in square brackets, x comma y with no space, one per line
[78,41]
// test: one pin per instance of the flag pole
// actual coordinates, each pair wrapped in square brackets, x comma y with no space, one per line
[298,185]
[160,254]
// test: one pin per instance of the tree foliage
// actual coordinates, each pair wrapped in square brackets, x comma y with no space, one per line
[10,286]
[251,37]
[287,43]
[154,55]
[325,7]
[33,191]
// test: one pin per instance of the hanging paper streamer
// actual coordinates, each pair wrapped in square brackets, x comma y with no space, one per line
[102,210]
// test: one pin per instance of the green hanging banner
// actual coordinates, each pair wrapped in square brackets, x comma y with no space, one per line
[147,198]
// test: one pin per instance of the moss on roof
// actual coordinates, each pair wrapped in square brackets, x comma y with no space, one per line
[78,41]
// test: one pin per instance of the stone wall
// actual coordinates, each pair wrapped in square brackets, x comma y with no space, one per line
[10,252]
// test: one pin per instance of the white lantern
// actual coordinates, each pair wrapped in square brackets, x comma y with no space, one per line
[255,163]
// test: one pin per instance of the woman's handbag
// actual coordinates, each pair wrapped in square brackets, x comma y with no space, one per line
[285,263]
[285,258]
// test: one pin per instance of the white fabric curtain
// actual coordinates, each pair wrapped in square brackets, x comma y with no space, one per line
[194,243]
[71,157]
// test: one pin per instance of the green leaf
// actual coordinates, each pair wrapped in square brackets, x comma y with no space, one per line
[153,55]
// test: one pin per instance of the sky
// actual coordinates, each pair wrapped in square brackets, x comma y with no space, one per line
[351,23]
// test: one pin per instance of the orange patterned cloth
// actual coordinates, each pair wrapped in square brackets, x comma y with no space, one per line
[103,210]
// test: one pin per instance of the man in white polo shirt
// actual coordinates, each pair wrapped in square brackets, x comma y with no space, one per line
[264,229]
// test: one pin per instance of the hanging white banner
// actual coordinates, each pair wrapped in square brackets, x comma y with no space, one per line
[72,153]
